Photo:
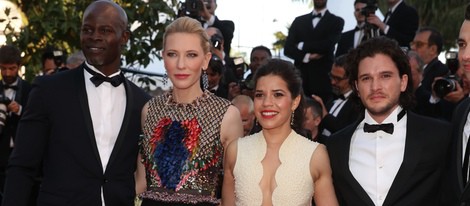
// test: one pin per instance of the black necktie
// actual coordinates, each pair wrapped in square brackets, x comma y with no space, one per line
[316,15]
[98,79]
[7,86]
[388,127]
[465,164]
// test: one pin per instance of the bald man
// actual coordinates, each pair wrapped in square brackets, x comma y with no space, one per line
[82,136]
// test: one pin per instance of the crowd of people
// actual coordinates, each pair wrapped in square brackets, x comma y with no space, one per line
[363,117]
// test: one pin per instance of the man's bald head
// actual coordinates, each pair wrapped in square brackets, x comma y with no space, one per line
[108,6]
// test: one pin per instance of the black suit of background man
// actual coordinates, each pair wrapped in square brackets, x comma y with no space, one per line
[319,41]
[350,39]
[402,23]
[14,93]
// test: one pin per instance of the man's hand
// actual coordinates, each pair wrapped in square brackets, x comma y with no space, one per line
[455,96]
[14,107]
[315,56]
[204,13]
[374,20]
[233,90]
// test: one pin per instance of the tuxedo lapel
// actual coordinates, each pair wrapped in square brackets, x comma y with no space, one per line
[323,20]
[458,135]
[412,155]
[344,151]
[81,89]
[19,91]
[125,122]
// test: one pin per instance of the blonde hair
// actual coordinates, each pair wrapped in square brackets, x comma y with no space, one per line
[190,26]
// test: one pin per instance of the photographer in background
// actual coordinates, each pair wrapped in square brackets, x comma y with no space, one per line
[204,11]
[227,27]
[14,93]
[53,61]
[353,37]
[400,23]
[447,92]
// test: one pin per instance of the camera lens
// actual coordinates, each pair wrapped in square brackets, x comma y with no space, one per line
[442,87]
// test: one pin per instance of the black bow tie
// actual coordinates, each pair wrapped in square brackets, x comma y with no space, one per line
[98,79]
[14,87]
[316,15]
[388,127]
[342,97]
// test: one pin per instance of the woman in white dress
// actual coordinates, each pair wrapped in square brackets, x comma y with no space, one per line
[277,166]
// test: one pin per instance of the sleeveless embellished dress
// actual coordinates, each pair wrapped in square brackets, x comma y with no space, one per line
[293,178]
[182,151]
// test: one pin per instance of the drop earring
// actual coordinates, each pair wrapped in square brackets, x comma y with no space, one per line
[292,119]
[165,79]
[205,79]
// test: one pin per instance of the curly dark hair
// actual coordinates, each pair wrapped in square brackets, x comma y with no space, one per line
[390,48]
[287,71]
[9,54]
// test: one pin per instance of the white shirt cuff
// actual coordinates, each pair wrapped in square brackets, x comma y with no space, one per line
[306,58]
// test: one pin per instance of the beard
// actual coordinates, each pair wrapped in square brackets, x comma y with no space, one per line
[336,91]
[319,4]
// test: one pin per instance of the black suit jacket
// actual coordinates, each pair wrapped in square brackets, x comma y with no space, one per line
[456,193]
[403,24]
[11,123]
[418,181]
[56,130]
[322,40]
[345,43]
[348,114]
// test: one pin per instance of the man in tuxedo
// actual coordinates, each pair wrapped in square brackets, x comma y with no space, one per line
[400,23]
[428,44]
[390,156]
[227,27]
[311,43]
[340,111]
[81,127]
[457,187]
[353,37]
[14,93]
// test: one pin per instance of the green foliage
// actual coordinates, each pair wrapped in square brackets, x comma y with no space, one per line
[57,23]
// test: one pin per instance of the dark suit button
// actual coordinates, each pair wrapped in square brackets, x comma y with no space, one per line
[105,181]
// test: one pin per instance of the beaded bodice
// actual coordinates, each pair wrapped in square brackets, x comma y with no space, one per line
[181,147]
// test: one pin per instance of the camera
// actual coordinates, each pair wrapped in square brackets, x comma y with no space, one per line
[370,8]
[444,86]
[245,85]
[4,101]
[370,30]
[451,61]
[191,8]
[216,41]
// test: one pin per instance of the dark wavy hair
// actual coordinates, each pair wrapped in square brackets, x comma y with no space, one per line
[287,71]
[390,48]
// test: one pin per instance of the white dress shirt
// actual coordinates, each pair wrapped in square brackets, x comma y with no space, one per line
[375,158]
[107,106]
